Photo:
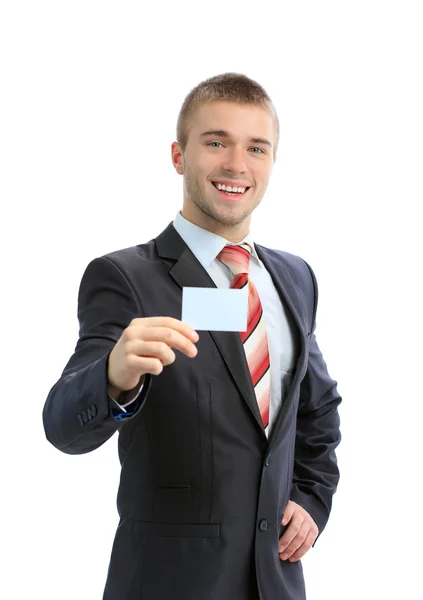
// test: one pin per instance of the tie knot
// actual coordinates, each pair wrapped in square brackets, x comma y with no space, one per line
[237,258]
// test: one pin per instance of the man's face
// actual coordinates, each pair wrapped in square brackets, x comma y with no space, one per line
[232,145]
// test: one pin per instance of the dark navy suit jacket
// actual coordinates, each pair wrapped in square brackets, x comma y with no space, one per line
[202,489]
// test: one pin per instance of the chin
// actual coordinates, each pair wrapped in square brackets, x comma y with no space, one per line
[232,219]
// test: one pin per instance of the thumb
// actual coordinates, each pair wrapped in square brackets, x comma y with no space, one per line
[288,512]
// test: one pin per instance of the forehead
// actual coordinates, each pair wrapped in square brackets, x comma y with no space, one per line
[237,119]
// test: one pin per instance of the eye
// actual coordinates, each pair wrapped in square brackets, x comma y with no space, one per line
[210,143]
[257,148]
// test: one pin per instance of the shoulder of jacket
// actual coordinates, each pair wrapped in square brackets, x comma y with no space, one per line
[126,258]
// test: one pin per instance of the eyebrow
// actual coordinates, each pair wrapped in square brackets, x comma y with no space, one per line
[225,134]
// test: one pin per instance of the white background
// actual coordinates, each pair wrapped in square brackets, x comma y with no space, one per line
[90,93]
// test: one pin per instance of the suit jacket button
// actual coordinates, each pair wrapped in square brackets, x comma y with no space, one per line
[85,416]
[94,410]
[264,525]
[267,461]
[81,420]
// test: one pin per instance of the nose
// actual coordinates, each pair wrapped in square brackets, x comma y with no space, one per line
[235,160]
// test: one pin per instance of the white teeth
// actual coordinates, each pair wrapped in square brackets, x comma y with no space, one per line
[228,188]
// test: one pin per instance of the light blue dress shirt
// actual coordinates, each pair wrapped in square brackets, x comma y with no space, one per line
[282,349]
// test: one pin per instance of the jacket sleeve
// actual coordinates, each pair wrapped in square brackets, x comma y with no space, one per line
[316,473]
[77,414]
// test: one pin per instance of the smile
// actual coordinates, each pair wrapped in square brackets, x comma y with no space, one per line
[232,192]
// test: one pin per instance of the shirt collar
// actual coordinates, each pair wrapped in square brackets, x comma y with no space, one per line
[204,244]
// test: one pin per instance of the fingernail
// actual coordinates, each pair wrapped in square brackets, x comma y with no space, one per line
[284,556]
[195,336]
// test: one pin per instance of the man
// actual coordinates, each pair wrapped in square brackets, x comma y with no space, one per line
[226,439]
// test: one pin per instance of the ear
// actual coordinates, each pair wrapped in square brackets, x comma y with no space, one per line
[177,158]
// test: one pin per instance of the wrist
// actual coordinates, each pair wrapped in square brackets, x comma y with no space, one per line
[113,391]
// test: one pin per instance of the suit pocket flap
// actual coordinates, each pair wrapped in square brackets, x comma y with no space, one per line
[183,530]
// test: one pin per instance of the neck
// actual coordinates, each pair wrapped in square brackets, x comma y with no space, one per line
[234,234]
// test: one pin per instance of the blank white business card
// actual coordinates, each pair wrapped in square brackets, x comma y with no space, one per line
[215,309]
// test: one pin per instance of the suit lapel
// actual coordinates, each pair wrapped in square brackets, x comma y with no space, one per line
[287,288]
[188,272]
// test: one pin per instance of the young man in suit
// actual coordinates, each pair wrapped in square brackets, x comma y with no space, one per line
[227,440]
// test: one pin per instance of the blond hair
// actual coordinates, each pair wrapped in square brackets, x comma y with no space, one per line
[229,87]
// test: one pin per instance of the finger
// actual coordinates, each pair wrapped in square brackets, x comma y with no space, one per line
[158,350]
[168,336]
[305,547]
[145,364]
[288,512]
[168,322]
[296,543]
[293,530]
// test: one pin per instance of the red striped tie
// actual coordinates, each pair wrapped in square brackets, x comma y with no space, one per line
[237,258]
